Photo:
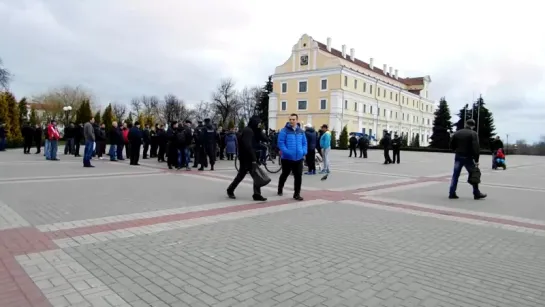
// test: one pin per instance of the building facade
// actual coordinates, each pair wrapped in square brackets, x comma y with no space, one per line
[327,86]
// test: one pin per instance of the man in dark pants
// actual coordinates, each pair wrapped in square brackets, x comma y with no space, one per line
[78,136]
[293,147]
[496,144]
[28,135]
[363,144]
[185,137]
[197,135]
[153,142]
[172,151]
[352,144]
[38,132]
[135,142]
[209,137]
[386,143]
[247,158]
[121,142]
[69,138]
[396,148]
[465,144]
[312,137]
[146,140]
[162,143]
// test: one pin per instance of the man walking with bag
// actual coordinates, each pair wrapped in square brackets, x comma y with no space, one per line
[293,148]
[248,159]
[465,144]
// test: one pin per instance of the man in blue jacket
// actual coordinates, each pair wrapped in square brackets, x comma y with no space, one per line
[293,148]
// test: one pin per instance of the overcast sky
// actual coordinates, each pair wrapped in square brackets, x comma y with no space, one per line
[125,48]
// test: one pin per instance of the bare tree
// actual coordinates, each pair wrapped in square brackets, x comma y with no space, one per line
[119,111]
[5,76]
[174,109]
[204,110]
[51,103]
[248,99]
[136,105]
[225,101]
[151,105]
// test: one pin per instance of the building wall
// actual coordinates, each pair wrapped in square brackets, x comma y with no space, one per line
[358,100]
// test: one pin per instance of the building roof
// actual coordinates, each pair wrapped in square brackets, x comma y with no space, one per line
[406,81]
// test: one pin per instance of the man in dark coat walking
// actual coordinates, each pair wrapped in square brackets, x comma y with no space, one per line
[209,137]
[135,141]
[247,158]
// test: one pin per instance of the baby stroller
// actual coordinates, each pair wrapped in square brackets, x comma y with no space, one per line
[317,161]
[500,159]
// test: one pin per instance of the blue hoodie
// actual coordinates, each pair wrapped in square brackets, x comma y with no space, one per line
[292,143]
[325,140]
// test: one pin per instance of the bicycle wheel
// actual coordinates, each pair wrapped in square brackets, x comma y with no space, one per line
[273,165]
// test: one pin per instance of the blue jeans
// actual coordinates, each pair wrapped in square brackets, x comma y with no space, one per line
[494,163]
[47,152]
[88,153]
[187,156]
[2,144]
[459,163]
[53,147]
[113,152]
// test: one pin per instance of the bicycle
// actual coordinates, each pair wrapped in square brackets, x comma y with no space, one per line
[272,160]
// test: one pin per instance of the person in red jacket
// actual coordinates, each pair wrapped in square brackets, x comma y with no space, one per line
[53,135]
[126,140]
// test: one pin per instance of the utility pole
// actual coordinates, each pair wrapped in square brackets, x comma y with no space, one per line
[465,115]
[507,144]
[478,112]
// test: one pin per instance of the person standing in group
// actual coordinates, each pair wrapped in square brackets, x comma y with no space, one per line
[78,136]
[172,146]
[127,128]
[69,137]
[396,148]
[311,137]
[386,143]
[231,144]
[89,136]
[184,141]
[38,138]
[135,142]
[293,148]
[247,158]
[114,136]
[325,144]
[54,136]
[353,144]
[146,140]
[121,141]
[28,135]
[162,142]
[209,140]
[3,135]
[363,144]
[465,144]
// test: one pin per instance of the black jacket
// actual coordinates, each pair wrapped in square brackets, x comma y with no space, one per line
[386,141]
[496,144]
[135,136]
[363,142]
[465,142]
[396,142]
[353,141]
[146,136]
[246,150]
[115,137]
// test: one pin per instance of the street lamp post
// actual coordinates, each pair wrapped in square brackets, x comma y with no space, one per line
[67,110]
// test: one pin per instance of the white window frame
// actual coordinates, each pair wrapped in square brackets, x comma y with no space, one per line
[282,87]
[327,84]
[281,103]
[320,104]
[299,100]
[299,86]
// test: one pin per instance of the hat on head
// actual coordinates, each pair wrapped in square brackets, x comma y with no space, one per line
[308,125]
[470,123]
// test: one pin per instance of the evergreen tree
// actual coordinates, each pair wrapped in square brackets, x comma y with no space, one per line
[485,122]
[442,126]
[14,131]
[343,139]
[241,124]
[98,117]
[333,139]
[34,120]
[108,117]
[4,119]
[463,116]
[405,140]
[84,113]
[149,120]
[262,107]
[129,119]
[23,111]
[141,119]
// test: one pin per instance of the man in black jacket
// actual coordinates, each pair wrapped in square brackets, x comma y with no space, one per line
[185,137]
[146,139]
[28,135]
[496,144]
[386,143]
[363,144]
[352,144]
[247,158]
[172,147]
[38,132]
[396,148]
[114,137]
[77,133]
[135,141]
[465,144]
[69,132]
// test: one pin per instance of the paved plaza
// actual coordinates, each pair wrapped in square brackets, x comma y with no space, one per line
[370,235]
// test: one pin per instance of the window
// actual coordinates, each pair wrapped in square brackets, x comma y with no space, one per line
[396,115]
[301,105]
[391,113]
[384,112]
[371,109]
[378,91]
[355,84]
[346,104]
[403,99]
[384,94]
[370,132]
[284,105]
[396,97]
[284,87]
[371,89]
[302,86]
[323,84]
[356,106]
[323,104]
[345,81]
[378,111]
[391,96]
[364,108]
[364,87]
[428,121]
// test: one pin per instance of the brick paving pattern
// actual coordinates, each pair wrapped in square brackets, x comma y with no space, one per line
[371,235]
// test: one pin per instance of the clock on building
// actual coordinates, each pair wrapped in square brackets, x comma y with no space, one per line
[304,60]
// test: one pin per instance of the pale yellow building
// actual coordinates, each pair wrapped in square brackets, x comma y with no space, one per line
[327,86]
